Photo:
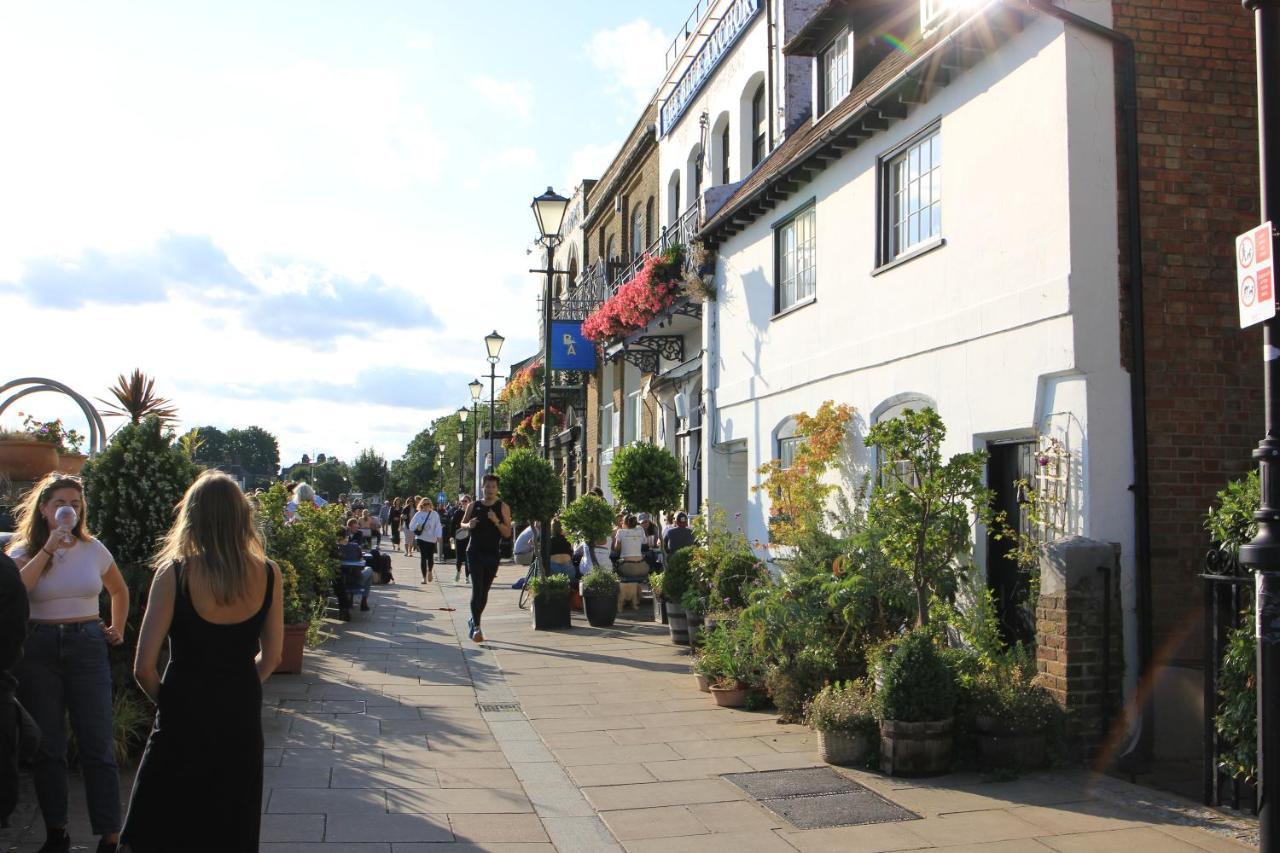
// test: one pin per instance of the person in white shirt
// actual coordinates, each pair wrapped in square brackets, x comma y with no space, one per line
[427,530]
[64,667]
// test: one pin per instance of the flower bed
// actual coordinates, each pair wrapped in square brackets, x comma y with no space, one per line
[652,290]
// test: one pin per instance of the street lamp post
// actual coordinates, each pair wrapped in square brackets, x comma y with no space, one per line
[548,211]
[462,420]
[493,344]
[477,388]
[1263,553]
[441,457]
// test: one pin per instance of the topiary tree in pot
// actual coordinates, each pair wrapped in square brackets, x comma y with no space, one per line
[647,478]
[590,519]
[915,707]
[531,488]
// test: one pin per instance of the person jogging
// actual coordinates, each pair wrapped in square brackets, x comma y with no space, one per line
[489,521]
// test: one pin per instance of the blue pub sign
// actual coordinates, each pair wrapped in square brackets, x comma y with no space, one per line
[569,349]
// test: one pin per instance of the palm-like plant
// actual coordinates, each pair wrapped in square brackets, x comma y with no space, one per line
[136,399]
[191,442]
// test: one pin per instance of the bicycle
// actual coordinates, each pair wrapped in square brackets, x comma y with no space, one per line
[525,591]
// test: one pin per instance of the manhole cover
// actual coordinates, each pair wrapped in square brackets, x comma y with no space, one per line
[818,797]
[498,707]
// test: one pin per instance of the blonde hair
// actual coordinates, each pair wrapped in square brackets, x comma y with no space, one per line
[215,524]
[425,504]
[32,527]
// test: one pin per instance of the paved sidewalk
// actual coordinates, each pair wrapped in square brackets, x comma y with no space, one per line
[402,736]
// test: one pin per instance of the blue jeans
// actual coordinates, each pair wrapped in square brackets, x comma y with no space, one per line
[64,669]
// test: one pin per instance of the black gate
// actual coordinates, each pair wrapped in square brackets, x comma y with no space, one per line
[1227,589]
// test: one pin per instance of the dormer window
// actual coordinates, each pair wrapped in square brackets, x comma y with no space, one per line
[836,68]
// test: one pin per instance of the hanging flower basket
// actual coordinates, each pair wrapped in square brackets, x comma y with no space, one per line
[654,289]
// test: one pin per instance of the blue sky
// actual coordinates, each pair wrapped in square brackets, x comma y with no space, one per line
[302,215]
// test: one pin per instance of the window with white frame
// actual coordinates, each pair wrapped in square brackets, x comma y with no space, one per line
[637,230]
[635,410]
[835,65]
[913,195]
[606,426]
[787,448]
[796,253]
[759,127]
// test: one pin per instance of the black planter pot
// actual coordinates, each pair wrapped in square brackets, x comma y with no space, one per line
[601,610]
[551,613]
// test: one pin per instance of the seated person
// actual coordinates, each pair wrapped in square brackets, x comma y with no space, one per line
[680,536]
[526,545]
[598,556]
[352,572]
[629,542]
[561,551]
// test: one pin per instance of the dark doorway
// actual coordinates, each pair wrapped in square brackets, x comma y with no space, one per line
[1010,464]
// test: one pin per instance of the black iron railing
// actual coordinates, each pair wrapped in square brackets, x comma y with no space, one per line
[1227,589]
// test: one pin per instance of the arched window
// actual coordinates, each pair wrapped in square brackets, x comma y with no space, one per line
[759,127]
[638,242]
[610,250]
[573,271]
[694,168]
[721,150]
[648,221]
[673,198]
[887,411]
[787,442]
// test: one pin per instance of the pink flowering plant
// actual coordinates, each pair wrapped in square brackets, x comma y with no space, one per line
[52,432]
[652,290]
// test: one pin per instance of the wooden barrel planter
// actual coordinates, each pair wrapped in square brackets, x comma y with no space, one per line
[295,640]
[26,461]
[659,610]
[915,749]
[678,623]
[843,749]
[694,621]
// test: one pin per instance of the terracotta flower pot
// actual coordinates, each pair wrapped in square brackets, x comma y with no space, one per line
[295,640]
[704,683]
[71,463]
[27,460]
[734,696]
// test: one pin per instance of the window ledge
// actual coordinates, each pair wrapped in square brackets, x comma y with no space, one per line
[793,308]
[922,249]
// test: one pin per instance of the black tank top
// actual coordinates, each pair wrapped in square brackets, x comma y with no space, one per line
[486,536]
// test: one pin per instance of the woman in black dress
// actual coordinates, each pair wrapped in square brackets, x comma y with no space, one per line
[216,597]
[393,518]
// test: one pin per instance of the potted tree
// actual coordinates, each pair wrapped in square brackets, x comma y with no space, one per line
[590,519]
[600,595]
[647,478]
[551,601]
[915,708]
[296,620]
[842,715]
[532,489]
[675,581]
[1013,716]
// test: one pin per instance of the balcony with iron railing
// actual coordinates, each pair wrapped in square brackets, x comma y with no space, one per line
[600,281]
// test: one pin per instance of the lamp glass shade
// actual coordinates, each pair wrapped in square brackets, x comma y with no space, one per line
[462,414]
[477,387]
[442,448]
[459,438]
[549,209]
[493,343]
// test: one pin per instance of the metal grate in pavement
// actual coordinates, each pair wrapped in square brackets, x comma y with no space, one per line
[498,707]
[818,797]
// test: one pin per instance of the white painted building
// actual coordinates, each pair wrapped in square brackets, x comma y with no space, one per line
[941,230]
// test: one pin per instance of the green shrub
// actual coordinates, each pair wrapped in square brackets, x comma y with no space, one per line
[549,587]
[794,682]
[530,486]
[647,478]
[600,581]
[735,578]
[1008,696]
[588,518]
[657,582]
[294,613]
[845,707]
[676,577]
[307,545]
[919,686]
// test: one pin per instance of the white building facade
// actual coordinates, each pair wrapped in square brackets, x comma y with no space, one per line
[940,230]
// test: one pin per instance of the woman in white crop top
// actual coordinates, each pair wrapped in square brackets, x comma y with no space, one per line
[64,664]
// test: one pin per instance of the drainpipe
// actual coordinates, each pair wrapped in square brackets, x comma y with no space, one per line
[768,70]
[1126,60]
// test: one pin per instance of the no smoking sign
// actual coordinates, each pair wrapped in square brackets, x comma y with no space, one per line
[1255,276]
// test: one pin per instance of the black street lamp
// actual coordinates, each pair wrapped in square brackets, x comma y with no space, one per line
[1263,553]
[477,388]
[492,343]
[462,420]
[548,210]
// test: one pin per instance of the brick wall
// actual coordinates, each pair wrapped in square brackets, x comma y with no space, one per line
[1069,657]
[1198,183]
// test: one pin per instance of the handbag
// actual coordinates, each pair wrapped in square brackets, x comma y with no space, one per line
[417,531]
[461,534]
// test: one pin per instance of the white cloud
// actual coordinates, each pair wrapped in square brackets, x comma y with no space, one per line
[517,158]
[511,97]
[631,58]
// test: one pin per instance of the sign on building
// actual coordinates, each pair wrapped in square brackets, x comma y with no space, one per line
[1255,276]
[569,349]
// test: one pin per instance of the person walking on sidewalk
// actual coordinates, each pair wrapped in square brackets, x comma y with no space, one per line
[426,537]
[64,669]
[406,516]
[216,602]
[489,520]
[460,544]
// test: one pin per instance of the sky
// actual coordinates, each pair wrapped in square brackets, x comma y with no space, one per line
[300,215]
